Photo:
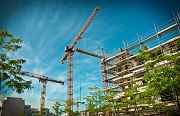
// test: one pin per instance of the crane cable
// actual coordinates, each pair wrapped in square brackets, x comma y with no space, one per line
[79,76]
[38,85]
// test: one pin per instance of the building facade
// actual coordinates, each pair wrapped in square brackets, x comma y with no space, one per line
[13,107]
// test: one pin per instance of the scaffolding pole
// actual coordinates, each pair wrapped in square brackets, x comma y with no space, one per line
[158,36]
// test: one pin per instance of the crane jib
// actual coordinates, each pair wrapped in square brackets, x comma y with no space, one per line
[78,37]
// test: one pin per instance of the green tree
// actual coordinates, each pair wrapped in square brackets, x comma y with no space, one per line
[10,67]
[57,108]
[76,113]
[150,97]
[95,102]
[111,103]
[68,105]
[132,98]
[98,102]
[90,106]
[163,72]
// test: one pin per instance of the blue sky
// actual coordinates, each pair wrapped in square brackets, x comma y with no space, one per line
[47,26]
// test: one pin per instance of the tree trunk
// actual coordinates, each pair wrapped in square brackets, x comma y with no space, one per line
[178,105]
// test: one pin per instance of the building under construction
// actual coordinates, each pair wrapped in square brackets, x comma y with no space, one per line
[118,70]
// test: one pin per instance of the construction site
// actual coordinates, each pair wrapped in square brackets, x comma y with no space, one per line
[118,70]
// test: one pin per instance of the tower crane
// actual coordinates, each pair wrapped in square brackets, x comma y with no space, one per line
[43,80]
[69,57]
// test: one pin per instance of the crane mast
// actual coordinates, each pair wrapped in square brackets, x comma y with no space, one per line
[43,80]
[69,57]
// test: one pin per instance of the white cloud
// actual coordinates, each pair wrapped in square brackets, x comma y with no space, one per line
[30,96]
[36,60]
[13,55]
[41,70]
[54,89]
[87,60]
[91,44]
[28,61]
[62,76]
[26,45]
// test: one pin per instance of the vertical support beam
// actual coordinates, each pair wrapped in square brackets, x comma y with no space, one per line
[127,54]
[139,39]
[125,44]
[104,74]
[178,15]
[70,81]
[178,22]
[158,37]
[77,105]
[80,90]
[177,18]
[125,48]
[43,95]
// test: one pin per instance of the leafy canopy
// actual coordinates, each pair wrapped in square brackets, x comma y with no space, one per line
[162,71]
[10,67]
[57,108]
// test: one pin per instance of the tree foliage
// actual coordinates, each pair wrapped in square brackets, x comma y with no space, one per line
[69,104]
[9,67]
[162,72]
[132,97]
[57,108]
[111,104]
[98,102]
[95,101]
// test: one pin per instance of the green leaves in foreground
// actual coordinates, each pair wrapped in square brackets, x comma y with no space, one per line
[11,66]
[162,72]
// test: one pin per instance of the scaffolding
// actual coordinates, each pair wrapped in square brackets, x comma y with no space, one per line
[121,68]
